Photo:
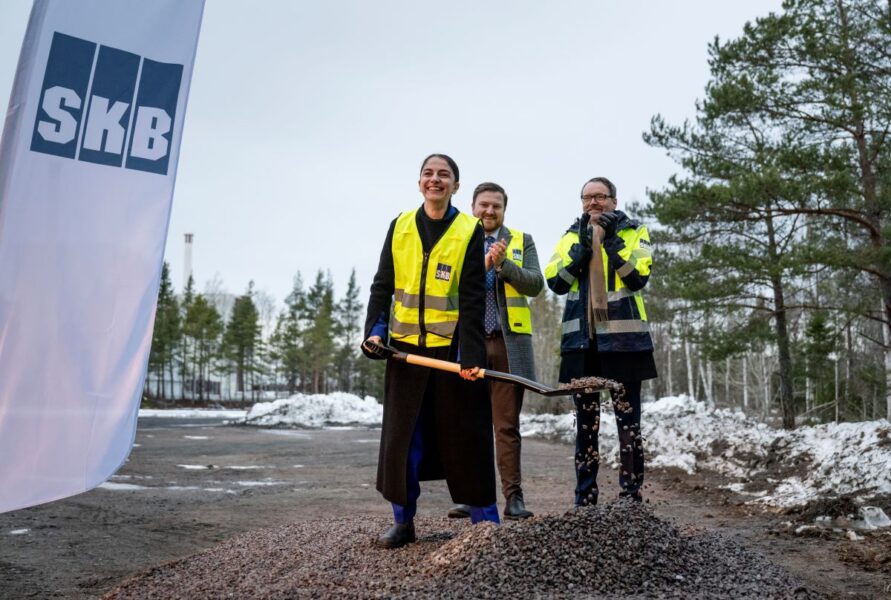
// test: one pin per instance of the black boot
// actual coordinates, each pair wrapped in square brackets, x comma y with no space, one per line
[459,511]
[398,535]
[635,496]
[516,508]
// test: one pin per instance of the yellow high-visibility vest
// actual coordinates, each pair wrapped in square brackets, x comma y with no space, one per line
[627,326]
[519,316]
[425,308]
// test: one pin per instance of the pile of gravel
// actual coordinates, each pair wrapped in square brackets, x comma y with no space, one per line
[617,550]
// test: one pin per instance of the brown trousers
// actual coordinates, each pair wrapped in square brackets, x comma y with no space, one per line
[507,401]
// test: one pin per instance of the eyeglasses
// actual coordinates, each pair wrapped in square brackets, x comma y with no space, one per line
[596,198]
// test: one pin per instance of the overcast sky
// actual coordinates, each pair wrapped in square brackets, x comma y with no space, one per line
[307,121]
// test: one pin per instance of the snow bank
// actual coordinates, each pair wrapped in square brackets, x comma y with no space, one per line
[795,466]
[317,410]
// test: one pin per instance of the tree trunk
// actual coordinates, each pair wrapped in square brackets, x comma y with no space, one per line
[690,389]
[706,383]
[727,382]
[808,386]
[765,379]
[887,353]
[781,329]
[669,344]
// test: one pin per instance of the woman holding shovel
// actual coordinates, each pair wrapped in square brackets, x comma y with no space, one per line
[435,425]
[601,263]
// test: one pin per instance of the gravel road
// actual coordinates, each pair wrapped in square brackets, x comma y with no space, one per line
[300,506]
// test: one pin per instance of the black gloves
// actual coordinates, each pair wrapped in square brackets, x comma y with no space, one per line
[584,232]
[578,252]
[580,256]
[609,221]
[613,245]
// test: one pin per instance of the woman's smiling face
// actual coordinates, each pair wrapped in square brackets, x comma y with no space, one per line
[437,183]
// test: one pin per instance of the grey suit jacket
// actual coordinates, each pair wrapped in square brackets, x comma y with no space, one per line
[528,281]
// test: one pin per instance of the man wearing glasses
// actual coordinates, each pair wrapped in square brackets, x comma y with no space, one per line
[601,264]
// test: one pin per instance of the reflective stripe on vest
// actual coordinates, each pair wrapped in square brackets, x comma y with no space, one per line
[519,316]
[425,300]
[621,300]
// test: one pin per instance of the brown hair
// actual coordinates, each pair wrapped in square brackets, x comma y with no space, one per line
[488,186]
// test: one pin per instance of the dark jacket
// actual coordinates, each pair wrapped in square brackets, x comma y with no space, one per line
[454,414]
[627,271]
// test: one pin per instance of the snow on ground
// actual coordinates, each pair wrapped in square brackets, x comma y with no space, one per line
[774,467]
[317,410]
[193,413]
[814,461]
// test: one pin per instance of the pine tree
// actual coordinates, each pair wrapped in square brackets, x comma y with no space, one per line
[241,339]
[817,77]
[794,125]
[166,334]
[318,337]
[285,342]
[820,343]
[204,326]
[349,312]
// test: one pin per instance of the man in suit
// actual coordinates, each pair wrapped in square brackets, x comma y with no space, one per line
[512,274]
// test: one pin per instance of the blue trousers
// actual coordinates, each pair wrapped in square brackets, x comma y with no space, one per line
[405,514]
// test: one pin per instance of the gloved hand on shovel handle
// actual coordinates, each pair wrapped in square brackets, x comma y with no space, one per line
[372,347]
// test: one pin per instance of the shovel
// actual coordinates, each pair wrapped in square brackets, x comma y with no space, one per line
[578,386]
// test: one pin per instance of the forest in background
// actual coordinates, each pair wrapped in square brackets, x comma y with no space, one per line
[771,285]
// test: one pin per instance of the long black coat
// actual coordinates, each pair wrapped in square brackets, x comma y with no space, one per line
[455,414]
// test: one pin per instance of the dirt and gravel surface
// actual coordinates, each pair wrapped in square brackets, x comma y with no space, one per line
[238,511]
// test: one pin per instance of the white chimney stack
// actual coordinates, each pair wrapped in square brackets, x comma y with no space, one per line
[187,262]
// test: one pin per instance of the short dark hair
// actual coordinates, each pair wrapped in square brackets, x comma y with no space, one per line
[609,184]
[446,158]
[488,186]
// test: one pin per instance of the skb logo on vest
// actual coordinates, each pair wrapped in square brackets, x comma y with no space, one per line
[443,272]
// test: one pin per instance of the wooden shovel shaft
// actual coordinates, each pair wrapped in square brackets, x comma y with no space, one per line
[443,365]
[435,363]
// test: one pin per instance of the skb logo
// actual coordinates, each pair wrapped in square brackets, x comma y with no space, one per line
[443,272]
[103,105]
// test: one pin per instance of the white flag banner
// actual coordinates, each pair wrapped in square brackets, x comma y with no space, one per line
[87,166]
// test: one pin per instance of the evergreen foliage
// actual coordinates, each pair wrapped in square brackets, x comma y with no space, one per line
[203,327]
[167,333]
[242,341]
[783,212]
